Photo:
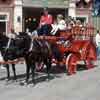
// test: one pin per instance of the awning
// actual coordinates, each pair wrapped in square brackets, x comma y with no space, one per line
[46,3]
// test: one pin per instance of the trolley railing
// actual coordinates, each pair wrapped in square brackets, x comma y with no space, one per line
[83,32]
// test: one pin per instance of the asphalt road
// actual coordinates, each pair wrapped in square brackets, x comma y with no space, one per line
[85,85]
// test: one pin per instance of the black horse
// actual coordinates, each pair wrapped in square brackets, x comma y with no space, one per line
[12,49]
[40,52]
[32,50]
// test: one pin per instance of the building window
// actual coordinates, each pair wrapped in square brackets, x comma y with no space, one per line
[3,17]
[83,18]
[84,3]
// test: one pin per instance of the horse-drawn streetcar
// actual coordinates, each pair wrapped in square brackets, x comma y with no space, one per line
[75,48]
[69,49]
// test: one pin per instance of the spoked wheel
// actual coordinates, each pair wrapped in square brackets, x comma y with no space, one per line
[71,64]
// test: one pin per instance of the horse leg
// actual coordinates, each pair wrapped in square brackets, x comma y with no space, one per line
[33,72]
[14,71]
[48,64]
[8,72]
[27,71]
[29,66]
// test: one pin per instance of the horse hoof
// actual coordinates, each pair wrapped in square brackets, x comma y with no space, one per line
[7,79]
[26,84]
[14,81]
[23,83]
[47,79]
[69,74]
[31,85]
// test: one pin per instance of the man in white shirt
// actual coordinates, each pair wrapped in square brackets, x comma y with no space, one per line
[98,42]
[59,25]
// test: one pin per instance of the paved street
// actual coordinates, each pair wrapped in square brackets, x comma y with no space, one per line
[85,85]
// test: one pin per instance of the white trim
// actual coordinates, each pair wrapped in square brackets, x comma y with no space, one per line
[18,2]
[3,21]
[81,16]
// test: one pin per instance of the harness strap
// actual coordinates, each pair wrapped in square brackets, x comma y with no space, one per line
[39,42]
[31,45]
[8,44]
[47,45]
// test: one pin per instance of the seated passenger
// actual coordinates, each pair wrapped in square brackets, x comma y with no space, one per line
[45,23]
[60,25]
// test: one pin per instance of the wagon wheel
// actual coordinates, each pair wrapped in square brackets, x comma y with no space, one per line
[90,56]
[71,64]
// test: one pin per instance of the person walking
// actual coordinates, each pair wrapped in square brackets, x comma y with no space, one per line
[98,42]
[60,25]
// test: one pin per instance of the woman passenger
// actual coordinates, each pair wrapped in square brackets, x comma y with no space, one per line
[60,25]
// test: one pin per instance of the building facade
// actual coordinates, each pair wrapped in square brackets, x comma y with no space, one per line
[10,15]
[16,13]
[6,15]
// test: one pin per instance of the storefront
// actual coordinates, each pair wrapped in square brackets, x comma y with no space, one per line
[6,16]
[32,10]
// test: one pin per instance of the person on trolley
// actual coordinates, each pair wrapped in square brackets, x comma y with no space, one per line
[45,23]
[59,25]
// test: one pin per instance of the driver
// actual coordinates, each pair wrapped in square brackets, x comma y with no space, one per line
[45,23]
